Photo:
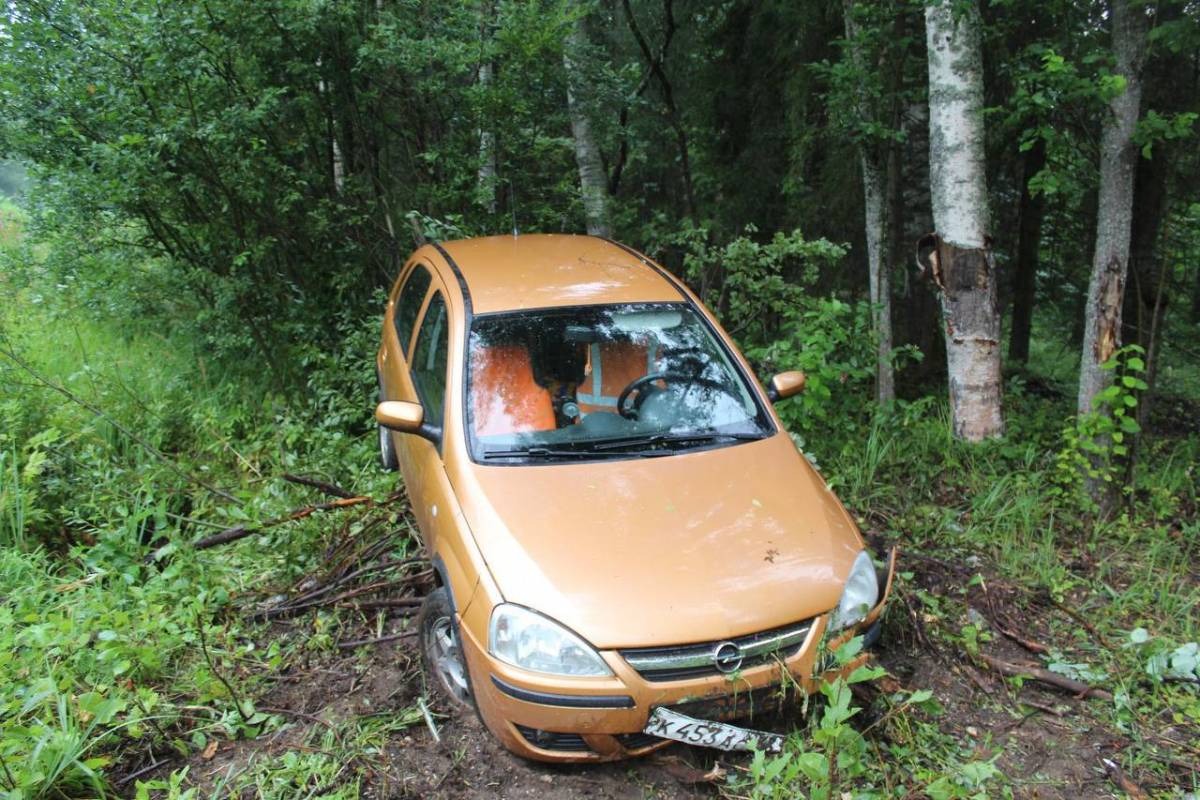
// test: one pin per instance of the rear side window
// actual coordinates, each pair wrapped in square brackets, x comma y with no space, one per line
[409,305]
[430,359]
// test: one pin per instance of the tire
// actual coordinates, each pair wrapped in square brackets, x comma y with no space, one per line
[387,448]
[441,650]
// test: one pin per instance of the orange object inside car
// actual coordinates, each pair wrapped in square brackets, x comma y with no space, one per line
[506,398]
[611,367]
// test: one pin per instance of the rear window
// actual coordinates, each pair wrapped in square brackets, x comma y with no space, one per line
[409,305]
[430,360]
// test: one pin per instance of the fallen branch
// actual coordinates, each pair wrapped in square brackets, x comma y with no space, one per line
[241,531]
[1075,687]
[1030,645]
[373,605]
[353,643]
[288,609]
[328,488]
[1122,781]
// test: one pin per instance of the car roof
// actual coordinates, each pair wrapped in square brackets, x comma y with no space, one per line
[507,273]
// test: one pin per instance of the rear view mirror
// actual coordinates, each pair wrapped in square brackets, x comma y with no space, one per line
[400,416]
[786,384]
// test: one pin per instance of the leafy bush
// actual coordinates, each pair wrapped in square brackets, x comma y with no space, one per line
[766,297]
[831,758]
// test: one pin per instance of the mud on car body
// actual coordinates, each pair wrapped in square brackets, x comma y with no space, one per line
[629,547]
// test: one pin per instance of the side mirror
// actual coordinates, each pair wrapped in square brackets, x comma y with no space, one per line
[405,417]
[786,384]
[400,416]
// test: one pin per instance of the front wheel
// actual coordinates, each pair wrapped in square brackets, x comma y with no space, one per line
[387,447]
[441,648]
[387,450]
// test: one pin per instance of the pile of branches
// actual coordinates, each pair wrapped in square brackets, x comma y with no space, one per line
[359,568]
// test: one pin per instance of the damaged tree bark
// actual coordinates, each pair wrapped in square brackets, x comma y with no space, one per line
[962,265]
[1118,161]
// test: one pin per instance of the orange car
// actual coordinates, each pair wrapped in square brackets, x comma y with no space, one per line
[629,548]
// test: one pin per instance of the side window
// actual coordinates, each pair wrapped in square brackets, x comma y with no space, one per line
[409,305]
[430,358]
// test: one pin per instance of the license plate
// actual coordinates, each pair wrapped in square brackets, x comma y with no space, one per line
[670,724]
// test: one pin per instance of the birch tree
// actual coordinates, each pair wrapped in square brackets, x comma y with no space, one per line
[962,265]
[873,158]
[485,181]
[593,181]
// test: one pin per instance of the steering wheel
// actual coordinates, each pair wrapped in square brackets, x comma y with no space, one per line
[638,385]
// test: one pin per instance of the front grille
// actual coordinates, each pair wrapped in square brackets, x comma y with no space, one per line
[700,660]
[549,740]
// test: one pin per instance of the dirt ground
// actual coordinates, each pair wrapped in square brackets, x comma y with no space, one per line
[1051,744]
[1047,755]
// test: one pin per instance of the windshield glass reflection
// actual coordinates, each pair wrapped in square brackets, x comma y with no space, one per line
[599,380]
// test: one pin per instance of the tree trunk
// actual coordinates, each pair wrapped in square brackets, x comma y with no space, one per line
[875,204]
[1118,159]
[918,317]
[485,184]
[593,181]
[963,266]
[879,270]
[1030,211]
[486,179]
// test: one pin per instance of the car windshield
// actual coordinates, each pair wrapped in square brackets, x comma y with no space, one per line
[603,381]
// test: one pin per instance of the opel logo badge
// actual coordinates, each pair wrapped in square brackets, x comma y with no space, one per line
[727,657]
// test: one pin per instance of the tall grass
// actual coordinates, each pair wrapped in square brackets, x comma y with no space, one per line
[12,503]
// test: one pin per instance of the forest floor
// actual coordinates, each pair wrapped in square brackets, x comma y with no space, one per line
[363,707]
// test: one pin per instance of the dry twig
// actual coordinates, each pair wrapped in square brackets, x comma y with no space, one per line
[328,488]
[1075,687]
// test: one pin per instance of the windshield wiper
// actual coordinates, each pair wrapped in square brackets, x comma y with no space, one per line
[672,439]
[538,452]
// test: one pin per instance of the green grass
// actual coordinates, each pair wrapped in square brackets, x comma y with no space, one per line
[99,656]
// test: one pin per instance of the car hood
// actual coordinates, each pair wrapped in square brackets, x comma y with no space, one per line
[683,548]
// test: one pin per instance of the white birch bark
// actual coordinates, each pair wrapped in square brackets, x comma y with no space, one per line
[485,183]
[879,262]
[879,277]
[1114,216]
[963,267]
[592,180]
[337,166]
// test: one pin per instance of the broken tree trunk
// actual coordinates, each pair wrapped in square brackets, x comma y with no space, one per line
[593,181]
[963,267]
[1114,216]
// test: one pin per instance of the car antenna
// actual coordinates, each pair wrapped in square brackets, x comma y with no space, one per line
[512,206]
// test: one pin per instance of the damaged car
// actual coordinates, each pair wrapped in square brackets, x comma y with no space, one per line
[629,548]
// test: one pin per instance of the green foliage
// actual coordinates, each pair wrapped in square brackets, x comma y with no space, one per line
[765,296]
[1094,444]
[831,758]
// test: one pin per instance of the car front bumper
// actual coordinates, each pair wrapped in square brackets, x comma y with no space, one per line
[565,719]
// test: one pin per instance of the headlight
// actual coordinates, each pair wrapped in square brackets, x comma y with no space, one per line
[860,595]
[528,640]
